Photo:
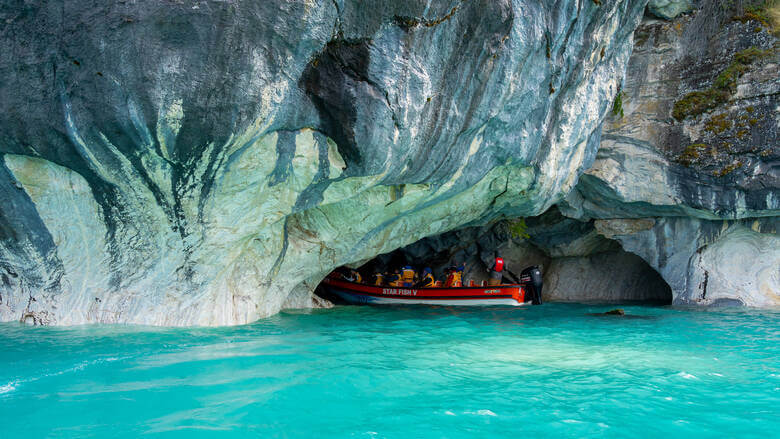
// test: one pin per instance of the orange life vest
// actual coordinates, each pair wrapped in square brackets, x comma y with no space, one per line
[408,276]
[454,279]
[457,279]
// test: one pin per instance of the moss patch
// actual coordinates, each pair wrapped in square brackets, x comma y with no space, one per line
[718,123]
[519,229]
[617,106]
[728,169]
[722,88]
[754,14]
[691,153]
[698,102]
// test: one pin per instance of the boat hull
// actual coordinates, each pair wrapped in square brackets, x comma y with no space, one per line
[502,295]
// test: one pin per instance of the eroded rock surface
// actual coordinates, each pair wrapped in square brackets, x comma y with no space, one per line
[688,183]
[669,8]
[707,262]
[687,175]
[179,163]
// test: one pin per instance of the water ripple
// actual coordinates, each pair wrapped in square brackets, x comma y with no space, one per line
[550,371]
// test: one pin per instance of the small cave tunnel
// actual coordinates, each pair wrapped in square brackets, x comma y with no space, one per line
[578,265]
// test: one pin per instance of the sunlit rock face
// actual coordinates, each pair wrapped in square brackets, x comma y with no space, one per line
[707,262]
[669,8]
[695,194]
[206,163]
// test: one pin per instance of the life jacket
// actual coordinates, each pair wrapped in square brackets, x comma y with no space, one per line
[378,278]
[407,274]
[498,265]
[427,281]
[457,279]
[448,281]
[394,280]
[454,279]
[357,277]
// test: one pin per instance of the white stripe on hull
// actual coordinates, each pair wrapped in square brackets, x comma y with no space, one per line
[375,300]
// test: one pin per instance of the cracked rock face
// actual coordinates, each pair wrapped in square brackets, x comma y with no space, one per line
[207,163]
[695,192]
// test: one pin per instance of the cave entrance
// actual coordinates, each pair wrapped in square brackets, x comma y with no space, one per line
[578,264]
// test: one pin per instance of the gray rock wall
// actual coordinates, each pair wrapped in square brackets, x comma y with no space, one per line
[669,186]
[194,163]
[691,189]
[707,262]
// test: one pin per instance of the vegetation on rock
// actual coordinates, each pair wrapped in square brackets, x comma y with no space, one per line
[617,106]
[691,153]
[763,11]
[697,102]
[718,123]
[728,169]
[519,229]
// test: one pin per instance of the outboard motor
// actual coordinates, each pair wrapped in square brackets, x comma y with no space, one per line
[531,279]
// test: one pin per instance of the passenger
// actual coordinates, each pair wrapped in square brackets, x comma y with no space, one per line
[457,275]
[378,279]
[408,276]
[356,277]
[454,276]
[427,280]
[496,271]
[394,279]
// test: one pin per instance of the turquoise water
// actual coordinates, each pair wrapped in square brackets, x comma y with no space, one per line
[370,372]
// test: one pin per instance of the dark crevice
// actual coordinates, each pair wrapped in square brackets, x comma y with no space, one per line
[330,80]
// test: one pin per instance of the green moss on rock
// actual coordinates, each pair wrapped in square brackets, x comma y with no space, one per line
[728,169]
[698,102]
[691,153]
[718,123]
[617,106]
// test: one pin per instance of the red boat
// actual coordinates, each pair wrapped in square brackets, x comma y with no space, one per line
[527,293]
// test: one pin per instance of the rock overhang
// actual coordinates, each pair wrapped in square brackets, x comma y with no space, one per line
[219,184]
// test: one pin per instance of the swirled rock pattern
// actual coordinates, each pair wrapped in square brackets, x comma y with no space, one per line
[686,178]
[204,163]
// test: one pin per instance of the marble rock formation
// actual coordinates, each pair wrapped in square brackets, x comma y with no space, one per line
[688,172]
[669,9]
[207,163]
[683,199]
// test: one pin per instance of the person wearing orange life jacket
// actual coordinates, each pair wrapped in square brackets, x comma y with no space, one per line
[459,269]
[408,276]
[427,280]
[448,280]
[496,271]
[455,276]
[379,279]
[394,279]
